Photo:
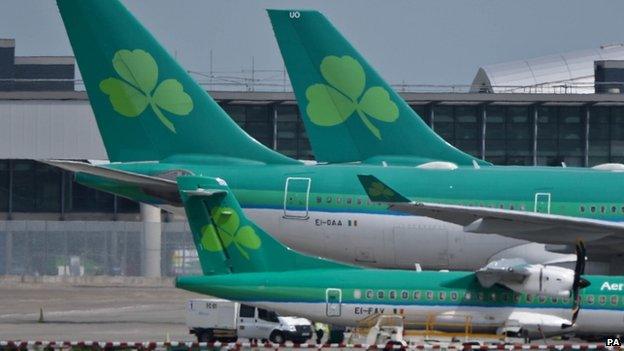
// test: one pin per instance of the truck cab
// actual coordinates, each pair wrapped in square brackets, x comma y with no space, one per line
[222,320]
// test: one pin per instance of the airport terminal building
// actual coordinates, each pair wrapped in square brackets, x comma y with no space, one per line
[51,225]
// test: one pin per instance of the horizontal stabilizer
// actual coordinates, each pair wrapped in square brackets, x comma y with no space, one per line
[164,189]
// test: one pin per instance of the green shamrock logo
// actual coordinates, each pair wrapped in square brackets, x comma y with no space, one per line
[230,232]
[379,190]
[137,88]
[333,103]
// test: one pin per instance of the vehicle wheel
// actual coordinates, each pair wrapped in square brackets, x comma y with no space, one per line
[277,337]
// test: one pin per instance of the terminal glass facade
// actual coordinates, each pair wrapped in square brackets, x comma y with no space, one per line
[504,134]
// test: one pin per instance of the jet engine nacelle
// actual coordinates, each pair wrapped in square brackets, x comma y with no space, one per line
[545,280]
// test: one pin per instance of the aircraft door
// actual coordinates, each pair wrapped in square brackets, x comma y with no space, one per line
[333,299]
[296,197]
[542,203]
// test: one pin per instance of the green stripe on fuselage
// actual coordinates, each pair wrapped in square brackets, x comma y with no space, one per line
[336,187]
[389,287]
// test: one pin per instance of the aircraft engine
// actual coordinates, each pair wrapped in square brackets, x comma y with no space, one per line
[544,280]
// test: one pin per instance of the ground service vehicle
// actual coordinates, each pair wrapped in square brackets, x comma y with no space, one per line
[223,320]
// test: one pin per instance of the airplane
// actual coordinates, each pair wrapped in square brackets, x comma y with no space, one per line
[158,124]
[242,262]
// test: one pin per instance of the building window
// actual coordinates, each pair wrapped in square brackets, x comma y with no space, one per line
[4,185]
[36,187]
[599,139]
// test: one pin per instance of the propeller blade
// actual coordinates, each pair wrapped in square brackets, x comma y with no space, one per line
[579,282]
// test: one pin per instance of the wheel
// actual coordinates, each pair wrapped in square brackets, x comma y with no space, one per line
[277,337]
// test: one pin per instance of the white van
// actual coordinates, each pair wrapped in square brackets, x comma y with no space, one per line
[226,321]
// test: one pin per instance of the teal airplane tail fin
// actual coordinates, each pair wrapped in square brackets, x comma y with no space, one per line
[350,112]
[147,107]
[227,241]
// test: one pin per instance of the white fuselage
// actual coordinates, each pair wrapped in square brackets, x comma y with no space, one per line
[393,241]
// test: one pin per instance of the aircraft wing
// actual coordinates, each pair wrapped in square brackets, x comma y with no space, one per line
[162,188]
[605,236]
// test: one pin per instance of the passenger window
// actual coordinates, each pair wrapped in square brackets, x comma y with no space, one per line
[442,296]
[554,299]
[529,298]
[614,300]
[392,294]
[590,299]
[319,199]
[565,300]
[357,294]
[505,297]
[416,295]
[429,295]
[613,209]
[602,209]
[516,298]
[359,201]
[511,207]
[582,209]
[405,294]
[493,296]
[542,299]
[370,294]
[247,311]
[380,294]
[622,209]
[592,209]
[602,299]
[454,295]
[467,296]
[328,200]
[338,200]
[480,296]
[349,201]
[522,208]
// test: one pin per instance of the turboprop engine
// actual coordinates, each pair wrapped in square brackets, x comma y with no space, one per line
[544,280]
[522,277]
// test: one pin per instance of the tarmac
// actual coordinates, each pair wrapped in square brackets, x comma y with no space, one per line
[127,310]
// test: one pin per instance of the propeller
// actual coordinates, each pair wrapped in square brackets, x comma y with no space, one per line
[579,282]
